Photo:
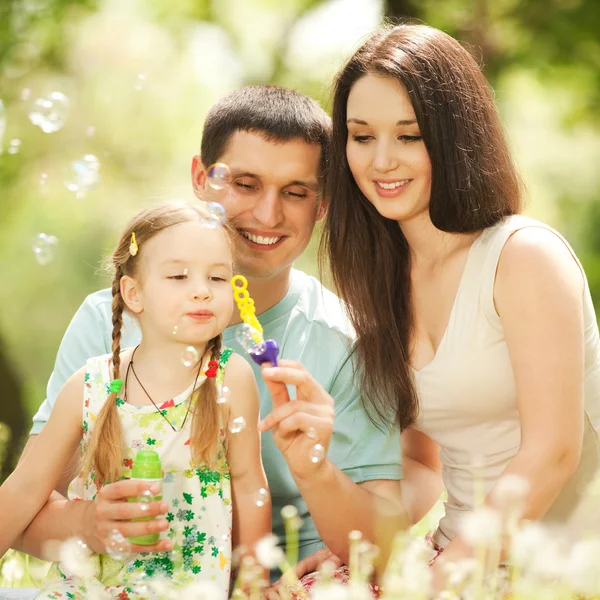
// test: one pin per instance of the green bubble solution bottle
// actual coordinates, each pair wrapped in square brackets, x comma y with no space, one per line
[146,467]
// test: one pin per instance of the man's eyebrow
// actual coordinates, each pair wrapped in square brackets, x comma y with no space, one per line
[400,122]
[313,186]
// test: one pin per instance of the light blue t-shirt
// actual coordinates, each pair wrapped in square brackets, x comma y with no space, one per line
[311,327]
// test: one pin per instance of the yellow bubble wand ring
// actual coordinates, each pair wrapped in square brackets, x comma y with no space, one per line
[262,350]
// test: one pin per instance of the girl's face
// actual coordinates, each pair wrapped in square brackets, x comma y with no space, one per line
[385,151]
[183,290]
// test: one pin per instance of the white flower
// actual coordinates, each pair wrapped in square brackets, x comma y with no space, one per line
[481,527]
[526,542]
[75,558]
[582,571]
[510,495]
[202,590]
[12,570]
[333,591]
[289,512]
[458,572]
[268,553]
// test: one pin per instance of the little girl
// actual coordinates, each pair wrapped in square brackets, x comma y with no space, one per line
[172,271]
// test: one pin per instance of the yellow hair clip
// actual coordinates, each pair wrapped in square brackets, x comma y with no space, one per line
[133,247]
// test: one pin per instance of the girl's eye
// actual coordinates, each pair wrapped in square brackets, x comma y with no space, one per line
[178,277]
[220,279]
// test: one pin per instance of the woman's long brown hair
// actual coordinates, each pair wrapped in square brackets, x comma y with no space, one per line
[474,185]
[104,453]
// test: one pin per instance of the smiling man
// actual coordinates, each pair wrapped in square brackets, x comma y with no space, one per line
[275,142]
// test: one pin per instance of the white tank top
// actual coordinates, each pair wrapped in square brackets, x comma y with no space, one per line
[467,397]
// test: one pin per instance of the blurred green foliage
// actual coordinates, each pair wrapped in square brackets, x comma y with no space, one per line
[142,74]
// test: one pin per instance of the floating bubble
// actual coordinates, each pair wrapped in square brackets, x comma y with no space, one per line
[224,395]
[217,214]
[190,357]
[237,425]
[317,453]
[83,175]
[244,337]
[43,178]
[14,146]
[175,329]
[145,498]
[118,546]
[90,131]
[44,247]
[261,498]
[140,82]
[25,94]
[50,112]
[311,433]
[218,176]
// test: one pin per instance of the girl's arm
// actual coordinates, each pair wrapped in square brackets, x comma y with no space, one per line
[539,299]
[29,486]
[251,510]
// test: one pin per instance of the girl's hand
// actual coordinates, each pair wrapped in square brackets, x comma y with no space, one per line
[300,425]
[111,510]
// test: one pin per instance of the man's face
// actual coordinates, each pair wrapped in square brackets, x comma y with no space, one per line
[273,201]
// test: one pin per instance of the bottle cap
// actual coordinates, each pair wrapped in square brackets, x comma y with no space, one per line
[146,465]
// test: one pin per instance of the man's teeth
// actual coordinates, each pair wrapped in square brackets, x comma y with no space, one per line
[259,239]
[391,186]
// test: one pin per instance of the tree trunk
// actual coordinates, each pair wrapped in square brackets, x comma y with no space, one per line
[403,9]
[12,413]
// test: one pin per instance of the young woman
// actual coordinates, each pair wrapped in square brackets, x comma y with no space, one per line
[475,325]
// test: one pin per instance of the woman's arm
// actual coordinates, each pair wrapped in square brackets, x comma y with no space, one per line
[539,299]
[251,519]
[28,488]
[422,483]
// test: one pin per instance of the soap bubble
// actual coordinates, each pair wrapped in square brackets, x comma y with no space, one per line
[50,112]
[25,94]
[261,498]
[118,546]
[83,175]
[218,176]
[190,357]
[217,215]
[44,247]
[224,395]
[145,498]
[90,131]
[244,336]
[317,453]
[14,146]
[311,433]
[237,425]
[140,82]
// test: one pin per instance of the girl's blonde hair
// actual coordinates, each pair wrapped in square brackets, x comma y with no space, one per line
[104,453]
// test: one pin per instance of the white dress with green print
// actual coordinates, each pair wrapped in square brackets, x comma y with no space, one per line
[199,499]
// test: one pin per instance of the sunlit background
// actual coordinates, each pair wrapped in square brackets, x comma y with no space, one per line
[103,104]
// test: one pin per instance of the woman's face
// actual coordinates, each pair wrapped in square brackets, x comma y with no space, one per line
[385,151]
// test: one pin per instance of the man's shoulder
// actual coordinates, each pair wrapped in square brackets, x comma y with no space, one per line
[100,301]
[321,307]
